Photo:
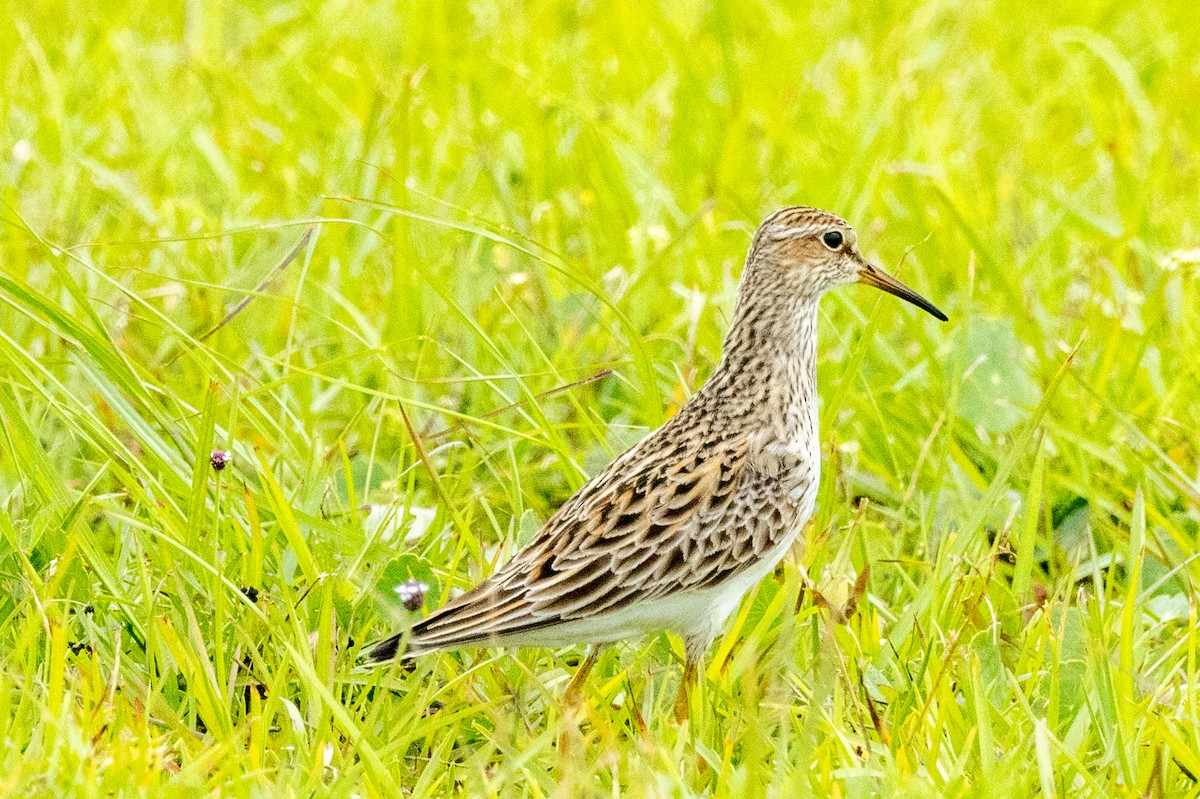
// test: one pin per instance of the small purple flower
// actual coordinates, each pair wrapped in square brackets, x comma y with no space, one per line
[220,458]
[412,593]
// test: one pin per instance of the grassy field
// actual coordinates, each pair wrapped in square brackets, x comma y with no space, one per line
[423,269]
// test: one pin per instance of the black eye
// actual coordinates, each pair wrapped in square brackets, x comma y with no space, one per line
[832,239]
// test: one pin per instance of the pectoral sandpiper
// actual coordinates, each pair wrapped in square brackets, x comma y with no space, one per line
[673,532]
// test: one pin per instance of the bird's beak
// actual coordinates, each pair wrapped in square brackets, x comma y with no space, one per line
[874,276]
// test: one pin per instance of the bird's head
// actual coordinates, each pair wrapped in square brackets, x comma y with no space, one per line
[806,251]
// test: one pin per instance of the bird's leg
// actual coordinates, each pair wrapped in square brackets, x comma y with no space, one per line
[694,649]
[683,699]
[572,700]
[574,693]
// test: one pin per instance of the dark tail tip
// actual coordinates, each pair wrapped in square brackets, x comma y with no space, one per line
[384,651]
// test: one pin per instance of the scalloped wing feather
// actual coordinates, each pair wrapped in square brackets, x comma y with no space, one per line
[645,527]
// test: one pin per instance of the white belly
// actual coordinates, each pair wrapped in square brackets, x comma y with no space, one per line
[694,615]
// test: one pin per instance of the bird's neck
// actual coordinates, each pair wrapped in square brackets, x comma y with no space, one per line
[769,364]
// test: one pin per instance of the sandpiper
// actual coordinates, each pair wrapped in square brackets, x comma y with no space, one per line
[673,533]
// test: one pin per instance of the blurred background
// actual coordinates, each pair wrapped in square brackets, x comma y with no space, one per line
[423,267]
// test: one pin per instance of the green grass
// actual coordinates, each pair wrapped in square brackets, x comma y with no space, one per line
[436,217]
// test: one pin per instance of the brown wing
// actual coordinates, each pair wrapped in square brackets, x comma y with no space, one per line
[637,531]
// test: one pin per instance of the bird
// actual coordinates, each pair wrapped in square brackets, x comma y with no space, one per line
[672,533]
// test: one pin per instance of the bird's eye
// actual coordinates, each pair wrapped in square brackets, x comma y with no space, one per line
[832,239]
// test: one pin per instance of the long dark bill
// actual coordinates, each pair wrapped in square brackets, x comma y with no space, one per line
[874,276]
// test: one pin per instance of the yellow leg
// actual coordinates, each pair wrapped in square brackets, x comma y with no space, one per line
[683,703]
[573,696]
[572,700]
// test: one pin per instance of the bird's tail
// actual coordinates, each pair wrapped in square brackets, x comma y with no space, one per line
[481,617]
[387,649]
[415,641]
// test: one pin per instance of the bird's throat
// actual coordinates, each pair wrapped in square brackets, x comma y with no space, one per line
[770,361]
